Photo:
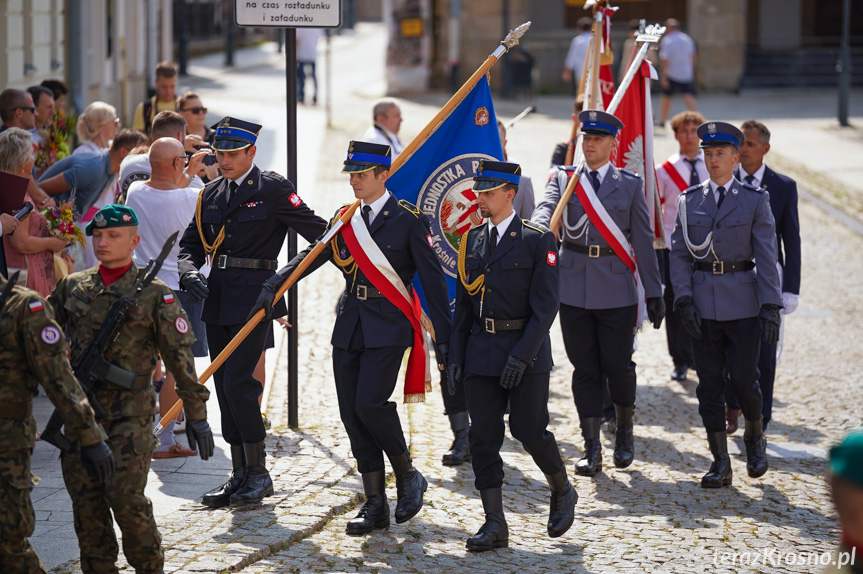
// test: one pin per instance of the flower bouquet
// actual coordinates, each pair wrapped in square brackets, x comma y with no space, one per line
[61,222]
[56,142]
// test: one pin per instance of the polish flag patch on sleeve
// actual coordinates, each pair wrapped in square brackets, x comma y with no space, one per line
[431,243]
[551,258]
[168,298]
[295,200]
[36,306]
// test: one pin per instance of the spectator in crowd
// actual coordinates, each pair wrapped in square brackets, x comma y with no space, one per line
[573,64]
[677,68]
[60,92]
[17,110]
[31,248]
[307,55]
[193,111]
[387,118]
[524,201]
[96,127]
[164,100]
[43,100]
[845,477]
[163,208]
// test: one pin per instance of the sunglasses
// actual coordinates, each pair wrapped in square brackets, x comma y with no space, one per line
[200,110]
[31,109]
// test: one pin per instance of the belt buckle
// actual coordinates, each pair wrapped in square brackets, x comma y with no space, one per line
[719,267]
[222,261]
[362,292]
[489,325]
[593,251]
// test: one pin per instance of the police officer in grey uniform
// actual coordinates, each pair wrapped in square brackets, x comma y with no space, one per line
[599,296]
[723,229]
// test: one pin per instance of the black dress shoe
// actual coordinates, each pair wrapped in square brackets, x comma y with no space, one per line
[720,473]
[679,373]
[257,483]
[459,452]
[410,486]
[494,533]
[375,513]
[221,497]
[562,505]
[591,460]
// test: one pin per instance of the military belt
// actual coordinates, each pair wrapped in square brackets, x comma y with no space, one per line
[494,325]
[16,410]
[723,267]
[592,251]
[364,292]
[225,262]
[111,373]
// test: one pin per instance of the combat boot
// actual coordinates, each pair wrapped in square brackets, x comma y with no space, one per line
[719,474]
[494,533]
[591,460]
[756,448]
[562,505]
[258,483]
[375,513]
[410,486]
[624,444]
[459,452]
[222,495]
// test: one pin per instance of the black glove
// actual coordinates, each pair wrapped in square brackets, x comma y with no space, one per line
[689,316]
[442,354]
[195,285]
[769,319]
[98,461]
[265,301]
[512,373]
[200,437]
[655,311]
[455,374]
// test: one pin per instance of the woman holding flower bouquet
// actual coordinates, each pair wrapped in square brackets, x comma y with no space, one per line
[32,246]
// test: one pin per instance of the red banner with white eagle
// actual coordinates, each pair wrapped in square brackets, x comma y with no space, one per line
[606,59]
[635,143]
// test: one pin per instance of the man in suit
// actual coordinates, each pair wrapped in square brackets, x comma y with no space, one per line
[226,254]
[783,204]
[507,297]
[375,318]
[601,284]
[723,227]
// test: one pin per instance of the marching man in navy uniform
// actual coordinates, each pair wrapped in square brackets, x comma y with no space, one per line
[239,227]
[608,268]
[386,243]
[507,296]
[723,228]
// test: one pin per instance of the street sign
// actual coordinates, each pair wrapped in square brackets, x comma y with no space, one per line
[289,14]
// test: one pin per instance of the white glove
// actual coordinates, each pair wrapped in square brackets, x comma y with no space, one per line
[790,301]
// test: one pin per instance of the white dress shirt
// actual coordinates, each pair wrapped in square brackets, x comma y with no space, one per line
[501,227]
[377,205]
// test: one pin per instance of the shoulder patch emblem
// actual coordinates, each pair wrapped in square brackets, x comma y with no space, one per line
[50,335]
[410,207]
[295,200]
[36,306]
[181,325]
[431,242]
[168,298]
[551,258]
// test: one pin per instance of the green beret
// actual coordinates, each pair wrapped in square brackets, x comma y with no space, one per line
[112,215]
[846,458]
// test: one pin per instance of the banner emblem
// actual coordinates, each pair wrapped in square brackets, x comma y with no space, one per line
[481,116]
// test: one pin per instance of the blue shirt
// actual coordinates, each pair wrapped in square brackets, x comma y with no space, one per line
[87,174]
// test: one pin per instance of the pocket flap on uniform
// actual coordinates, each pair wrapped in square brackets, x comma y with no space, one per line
[516,263]
[391,242]
[144,445]
[211,216]
[257,213]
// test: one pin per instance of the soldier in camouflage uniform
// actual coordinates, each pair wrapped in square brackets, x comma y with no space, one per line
[33,351]
[157,324]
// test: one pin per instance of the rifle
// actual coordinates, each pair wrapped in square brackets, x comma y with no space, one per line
[10,283]
[91,369]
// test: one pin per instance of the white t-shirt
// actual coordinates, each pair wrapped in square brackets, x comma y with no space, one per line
[137,168]
[678,49]
[576,54]
[307,44]
[161,213]
[380,135]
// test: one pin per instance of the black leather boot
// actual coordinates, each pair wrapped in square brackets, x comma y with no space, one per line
[459,452]
[756,448]
[591,460]
[719,474]
[410,486]
[257,484]
[624,444]
[562,506]
[494,533]
[222,495]
[375,513]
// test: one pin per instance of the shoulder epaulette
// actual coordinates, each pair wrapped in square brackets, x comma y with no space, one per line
[629,173]
[338,213]
[273,175]
[410,207]
[532,225]
[213,182]
[751,187]
[691,189]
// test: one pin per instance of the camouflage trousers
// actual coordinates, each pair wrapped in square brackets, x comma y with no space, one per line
[17,518]
[132,442]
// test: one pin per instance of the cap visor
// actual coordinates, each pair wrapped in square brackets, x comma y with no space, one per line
[358,167]
[486,185]
[592,132]
[228,145]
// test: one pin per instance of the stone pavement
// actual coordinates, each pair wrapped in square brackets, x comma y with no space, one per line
[652,516]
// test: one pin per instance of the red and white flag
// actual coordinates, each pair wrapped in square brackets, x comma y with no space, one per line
[635,143]
[606,59]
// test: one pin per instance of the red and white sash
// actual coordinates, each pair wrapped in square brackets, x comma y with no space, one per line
[675,176]
[375,266]
[612,234]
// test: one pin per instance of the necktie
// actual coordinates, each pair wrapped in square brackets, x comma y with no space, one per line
[232,187]
[693,176]
[594,179]
[367,211]
[493,242]
[749,179]
[721,191]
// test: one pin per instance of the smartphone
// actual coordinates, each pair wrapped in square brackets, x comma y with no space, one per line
[209,159]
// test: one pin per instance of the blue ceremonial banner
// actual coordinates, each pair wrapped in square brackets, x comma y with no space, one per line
[438,177]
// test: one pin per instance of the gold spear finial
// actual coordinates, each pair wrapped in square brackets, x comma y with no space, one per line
[513,37]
